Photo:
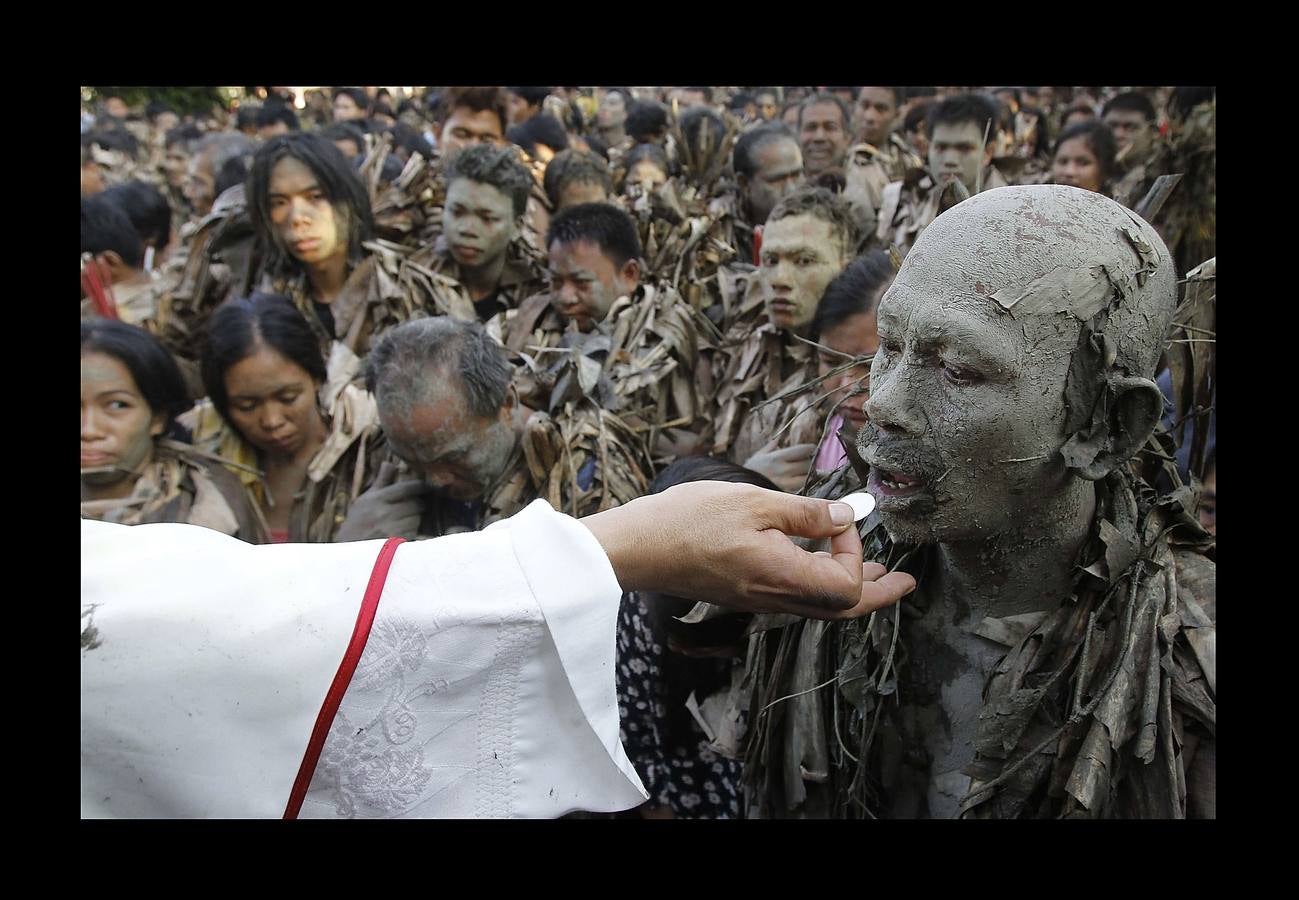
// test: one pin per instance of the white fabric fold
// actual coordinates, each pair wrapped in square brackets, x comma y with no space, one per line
[486,688]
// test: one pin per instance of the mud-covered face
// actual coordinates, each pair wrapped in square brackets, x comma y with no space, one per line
[117,426]
[612,111]
[478,221]
[457,453]
[799,258]
[644,177]
[309,227]
[1132,132]
[466,127]
[585,283]
[877,109]
[967,408]
[779,170]
[1075,164]
[853,337]
[954,153]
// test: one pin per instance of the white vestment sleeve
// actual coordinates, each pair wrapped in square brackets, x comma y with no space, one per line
[486,687]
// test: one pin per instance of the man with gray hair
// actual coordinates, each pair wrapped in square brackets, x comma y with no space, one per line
[453,419]
[1058,659]
[205,166]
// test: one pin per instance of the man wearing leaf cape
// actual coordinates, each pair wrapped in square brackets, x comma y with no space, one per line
[1058,657]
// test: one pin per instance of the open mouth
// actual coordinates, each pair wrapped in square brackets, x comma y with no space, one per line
[894,484]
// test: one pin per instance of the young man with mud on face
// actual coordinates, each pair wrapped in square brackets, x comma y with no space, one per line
[808,240]
[962,134]
[1058,656]
[486,200]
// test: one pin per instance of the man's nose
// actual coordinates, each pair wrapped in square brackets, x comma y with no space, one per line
[890,404]
[779,275]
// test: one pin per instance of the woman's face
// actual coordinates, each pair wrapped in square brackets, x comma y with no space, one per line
[855,336]
[117,426]
[646,176]
[306,224]
[273,402]
[1076,165]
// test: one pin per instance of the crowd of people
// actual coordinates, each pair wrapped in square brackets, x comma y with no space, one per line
[345,315]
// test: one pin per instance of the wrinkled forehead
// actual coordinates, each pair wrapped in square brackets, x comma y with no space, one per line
[952,293]
[928,311]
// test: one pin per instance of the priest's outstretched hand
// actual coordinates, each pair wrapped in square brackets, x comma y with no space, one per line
[729,544]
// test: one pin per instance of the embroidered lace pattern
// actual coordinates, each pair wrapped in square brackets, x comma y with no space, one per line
[494,797]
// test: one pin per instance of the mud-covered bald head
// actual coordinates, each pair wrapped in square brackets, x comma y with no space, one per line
[1017,348]
[1040,249]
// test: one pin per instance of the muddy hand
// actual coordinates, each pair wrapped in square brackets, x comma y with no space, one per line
[392,510]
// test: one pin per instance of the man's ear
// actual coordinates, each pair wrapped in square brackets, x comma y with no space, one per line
[630,274]
[1125,415]
[511,401]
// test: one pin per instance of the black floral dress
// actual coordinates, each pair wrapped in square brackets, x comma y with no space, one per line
[666,745]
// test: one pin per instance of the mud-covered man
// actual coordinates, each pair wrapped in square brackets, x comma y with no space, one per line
[808,239]
[486,201]
[1058,659]
[879,155]
[452,417]
[962,131]
[768,165]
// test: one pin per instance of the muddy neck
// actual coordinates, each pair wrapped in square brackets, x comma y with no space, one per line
[482,281]
[1027,569]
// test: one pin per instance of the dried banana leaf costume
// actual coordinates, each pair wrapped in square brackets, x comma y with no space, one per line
[181,485]
[219,260]
[1103,706]
[639,362]
[1100,709]
[342,469]
[759,362]
[868,171]
[581,460]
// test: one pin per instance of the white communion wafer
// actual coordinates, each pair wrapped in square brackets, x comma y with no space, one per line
[861,502]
